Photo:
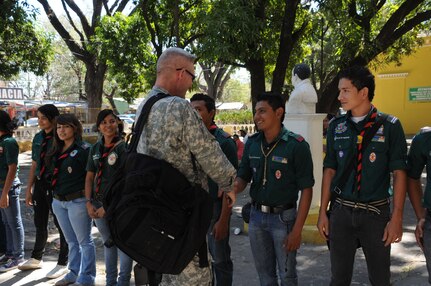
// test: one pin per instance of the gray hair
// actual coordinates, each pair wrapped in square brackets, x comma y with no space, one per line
[172,53]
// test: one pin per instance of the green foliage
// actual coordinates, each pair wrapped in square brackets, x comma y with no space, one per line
[235,91]
[362,32]
[123,42]
[234,117]
[22,46]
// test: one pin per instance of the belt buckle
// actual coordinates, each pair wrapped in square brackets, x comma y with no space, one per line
[265,209]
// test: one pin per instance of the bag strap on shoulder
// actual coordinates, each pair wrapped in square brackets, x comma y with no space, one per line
[143,117]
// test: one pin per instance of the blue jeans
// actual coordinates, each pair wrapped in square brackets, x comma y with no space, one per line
[348,227]
[267,233]
[76,225]
[222,265]
[427,244]
[11,217]
[111,257]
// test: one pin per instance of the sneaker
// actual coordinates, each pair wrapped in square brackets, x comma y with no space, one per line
[58,271]
[12,264]
[81,284]
[30,264]
[63,282]
[4,259]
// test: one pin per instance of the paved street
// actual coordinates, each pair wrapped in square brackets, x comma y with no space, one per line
[408,263]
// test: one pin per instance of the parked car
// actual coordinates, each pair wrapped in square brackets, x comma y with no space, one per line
[130,115]
[31,122]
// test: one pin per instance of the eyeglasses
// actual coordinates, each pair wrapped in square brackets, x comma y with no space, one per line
[190,74]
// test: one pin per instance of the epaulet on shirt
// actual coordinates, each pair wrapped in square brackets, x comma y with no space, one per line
[392,119]
[425,129]
[84,145]
[225,134]
[298,137]
[253,135]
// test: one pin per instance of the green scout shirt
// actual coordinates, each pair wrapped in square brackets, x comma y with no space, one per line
[228,146]
[71,175]
[110,164]
[385,153]
[36,148]
[289,168]
[9,152]
[419,156]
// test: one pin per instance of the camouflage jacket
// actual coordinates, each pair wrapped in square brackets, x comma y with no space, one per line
[173,130]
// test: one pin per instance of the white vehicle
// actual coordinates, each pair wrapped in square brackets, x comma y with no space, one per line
[31,122]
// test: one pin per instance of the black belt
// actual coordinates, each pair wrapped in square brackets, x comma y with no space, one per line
[273,209]
[370,206]
[69,197]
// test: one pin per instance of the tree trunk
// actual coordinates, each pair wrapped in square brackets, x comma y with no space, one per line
[94,78]
[257,78]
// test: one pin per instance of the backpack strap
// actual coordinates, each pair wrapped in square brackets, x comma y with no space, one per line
[143,117]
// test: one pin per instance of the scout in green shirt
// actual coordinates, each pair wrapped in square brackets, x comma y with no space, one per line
[69,158]
[419,157]
[280,164]
[218,233]
[39,194]
[104,159]
[10,190]
[360,209]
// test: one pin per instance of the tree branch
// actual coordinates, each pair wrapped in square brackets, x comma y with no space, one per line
[396,18]
[85,26]
[76,50]
[69,18]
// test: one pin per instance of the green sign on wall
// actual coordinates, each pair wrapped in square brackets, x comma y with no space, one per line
[420,93]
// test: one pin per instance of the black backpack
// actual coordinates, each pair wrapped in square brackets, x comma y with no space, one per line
[154,214]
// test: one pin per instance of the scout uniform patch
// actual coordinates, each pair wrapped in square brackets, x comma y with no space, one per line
[341,128]
[278,174]
[372,157]
[279,159]
[112,158]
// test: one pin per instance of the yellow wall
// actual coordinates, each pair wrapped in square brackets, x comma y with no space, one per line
[392,89]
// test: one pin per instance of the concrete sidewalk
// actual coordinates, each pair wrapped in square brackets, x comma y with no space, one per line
[408,263]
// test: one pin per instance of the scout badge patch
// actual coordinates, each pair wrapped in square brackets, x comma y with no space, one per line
[372,157]
[341,128]
[278,174]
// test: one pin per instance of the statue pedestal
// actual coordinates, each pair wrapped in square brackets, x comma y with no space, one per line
[310,126]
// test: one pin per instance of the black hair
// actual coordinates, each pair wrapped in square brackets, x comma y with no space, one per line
[50,111]
[274,100]
[209,102]
[7,125]
[361,77]
[102,115]
[57,145]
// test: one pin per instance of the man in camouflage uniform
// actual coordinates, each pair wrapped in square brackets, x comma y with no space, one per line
[419,157]
[173,131]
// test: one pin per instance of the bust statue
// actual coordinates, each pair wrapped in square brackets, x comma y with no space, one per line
[303,98]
